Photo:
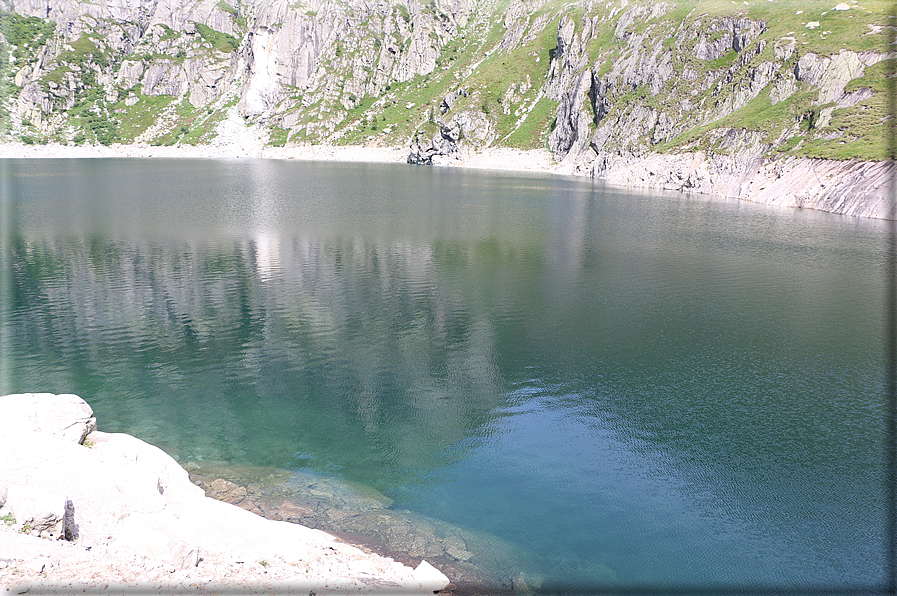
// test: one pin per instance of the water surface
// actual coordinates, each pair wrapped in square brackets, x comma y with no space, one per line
[628,389]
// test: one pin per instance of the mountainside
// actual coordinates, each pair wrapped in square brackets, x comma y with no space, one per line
[749,99]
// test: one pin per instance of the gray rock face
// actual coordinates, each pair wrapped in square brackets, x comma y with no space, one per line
[736,34]
[322,53]
[326,51]
[165,78]
[464,132]
[449,100]
[831,74]
[573,119]
[633,126]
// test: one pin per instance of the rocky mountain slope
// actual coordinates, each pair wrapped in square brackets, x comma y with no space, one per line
[738,98]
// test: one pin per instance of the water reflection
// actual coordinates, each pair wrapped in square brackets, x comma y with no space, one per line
[637,389]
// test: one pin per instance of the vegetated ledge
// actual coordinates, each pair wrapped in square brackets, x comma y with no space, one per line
[88,510]
[855,188]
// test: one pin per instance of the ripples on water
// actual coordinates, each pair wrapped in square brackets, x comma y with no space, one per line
[607,388]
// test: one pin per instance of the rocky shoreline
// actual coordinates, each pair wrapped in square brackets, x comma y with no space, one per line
[106,512]
[853,188]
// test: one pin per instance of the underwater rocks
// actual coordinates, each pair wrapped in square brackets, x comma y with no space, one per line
[361,516]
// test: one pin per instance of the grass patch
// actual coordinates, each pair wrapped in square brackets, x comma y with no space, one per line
[277,136]
[863,132]
[221,42]
[533,133]
[191,126]
[724,61]
[226,7]
[136,119]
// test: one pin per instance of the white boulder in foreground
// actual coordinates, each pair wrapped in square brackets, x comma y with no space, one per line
[117,512]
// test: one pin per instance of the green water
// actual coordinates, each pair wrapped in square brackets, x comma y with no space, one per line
[624,389]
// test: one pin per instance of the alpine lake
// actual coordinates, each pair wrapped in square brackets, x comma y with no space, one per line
[539,384]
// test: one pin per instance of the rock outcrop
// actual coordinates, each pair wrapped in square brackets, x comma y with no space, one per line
[116,496]
[454,139]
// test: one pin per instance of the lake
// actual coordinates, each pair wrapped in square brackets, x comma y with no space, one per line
[591,388]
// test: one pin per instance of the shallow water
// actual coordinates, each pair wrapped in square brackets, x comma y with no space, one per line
[625,389]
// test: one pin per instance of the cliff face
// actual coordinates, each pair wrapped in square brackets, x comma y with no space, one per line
[182,63]
[725,92]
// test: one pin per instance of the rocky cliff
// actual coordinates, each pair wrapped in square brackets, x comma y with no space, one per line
[750,100]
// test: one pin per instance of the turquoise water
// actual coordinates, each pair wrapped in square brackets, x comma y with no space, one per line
[631,390]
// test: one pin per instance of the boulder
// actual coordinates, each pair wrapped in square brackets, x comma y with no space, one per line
[290,511]
[428,579]
[154,467]
[39,510]
[65,416]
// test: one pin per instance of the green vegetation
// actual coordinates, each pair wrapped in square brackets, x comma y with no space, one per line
[531,134]
[227,7]
[187,125]
[278,136]
[137,118]
[221,42]
[8,519]
[25,34]
[103,129]
[811,129]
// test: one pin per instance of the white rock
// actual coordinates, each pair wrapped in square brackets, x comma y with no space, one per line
[842,6]
[66,416]
[166,474]
[428,578]
[149,537]
[41,511]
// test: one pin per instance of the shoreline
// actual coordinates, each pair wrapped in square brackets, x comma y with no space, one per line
[852,188]
[85,510]
[496,158]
